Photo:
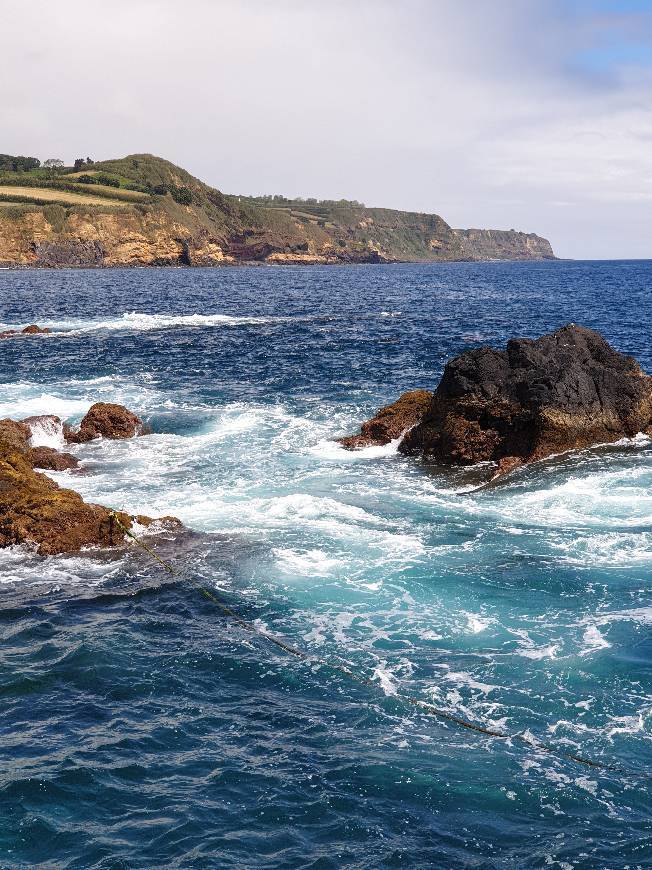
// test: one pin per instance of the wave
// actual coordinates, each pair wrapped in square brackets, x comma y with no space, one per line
[142,322]
[47,432]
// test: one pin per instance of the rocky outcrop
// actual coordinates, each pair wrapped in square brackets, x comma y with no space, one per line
[105,420]
[35,510]
[32,329]
[19,435]
[567,390]
[392,421]
[49,459]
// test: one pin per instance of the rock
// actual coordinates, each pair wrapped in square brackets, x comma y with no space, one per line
[105,420]
[507,464]
[15,435]
[567,390]
[392,421]
[51,459]
[33,329]
[168,522]
[44,425]
[35,510]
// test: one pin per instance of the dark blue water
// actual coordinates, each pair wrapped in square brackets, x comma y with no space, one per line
[141,728]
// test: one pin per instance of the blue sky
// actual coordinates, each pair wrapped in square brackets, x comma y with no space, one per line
[532,114]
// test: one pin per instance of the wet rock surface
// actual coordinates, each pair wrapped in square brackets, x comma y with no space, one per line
[392,421]
[32,329]
[35,510]
[566,390]
[105,420]
[52,460]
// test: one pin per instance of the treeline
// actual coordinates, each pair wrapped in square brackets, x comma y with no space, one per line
[100,178]
[11,163]
[278,200]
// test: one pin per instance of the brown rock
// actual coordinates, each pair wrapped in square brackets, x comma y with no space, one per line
[105,420]
[507,464]
[391,421]
[168,522]
[51,459]
[15,435]
[33,329]
[567,390]
[33,509]
[48,423]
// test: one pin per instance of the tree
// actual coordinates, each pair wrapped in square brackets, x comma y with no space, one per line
[53,163]
[79,162]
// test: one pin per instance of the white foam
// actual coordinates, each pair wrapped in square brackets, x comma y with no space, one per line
[462,678]
[593,641]
[143,322]
[386,680]
[329,449]
[47,431]
[307,563]
[477,623]
[45,403]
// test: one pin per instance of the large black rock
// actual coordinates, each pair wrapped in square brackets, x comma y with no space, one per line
[566,390]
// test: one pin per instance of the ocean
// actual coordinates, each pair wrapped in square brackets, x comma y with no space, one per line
[141,727]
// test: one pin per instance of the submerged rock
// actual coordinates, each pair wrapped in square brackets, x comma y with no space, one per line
[567,390]
[32,329]
[106,420]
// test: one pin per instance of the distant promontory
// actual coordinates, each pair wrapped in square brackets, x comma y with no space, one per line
[142,210]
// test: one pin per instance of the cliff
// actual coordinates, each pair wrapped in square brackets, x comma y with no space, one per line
[504,245]
[142,210]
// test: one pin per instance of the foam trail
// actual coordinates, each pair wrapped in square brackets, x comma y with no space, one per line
[143,322]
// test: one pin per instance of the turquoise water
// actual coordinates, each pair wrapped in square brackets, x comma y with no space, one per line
[140,728]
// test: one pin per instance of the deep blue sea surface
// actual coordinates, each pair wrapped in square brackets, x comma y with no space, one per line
[141,728]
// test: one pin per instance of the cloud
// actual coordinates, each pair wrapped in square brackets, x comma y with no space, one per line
[529,113]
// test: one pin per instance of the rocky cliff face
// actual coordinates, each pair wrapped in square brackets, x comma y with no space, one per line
[503,245]
[124,237]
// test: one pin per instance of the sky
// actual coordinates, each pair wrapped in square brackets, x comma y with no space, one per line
[526,114]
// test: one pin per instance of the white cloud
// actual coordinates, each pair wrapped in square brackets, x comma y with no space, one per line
[507,115]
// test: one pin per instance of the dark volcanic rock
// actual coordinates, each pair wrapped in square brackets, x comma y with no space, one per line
[105,420]
[69,252]
[392,421]
[564,391]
